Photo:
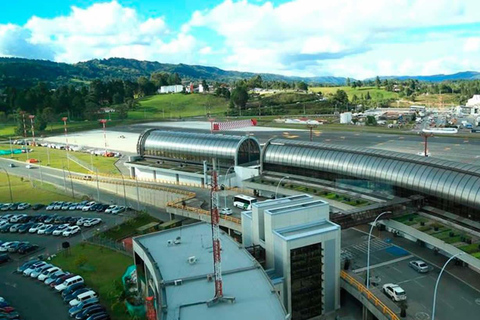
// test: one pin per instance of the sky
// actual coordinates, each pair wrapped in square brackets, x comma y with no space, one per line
[348,38]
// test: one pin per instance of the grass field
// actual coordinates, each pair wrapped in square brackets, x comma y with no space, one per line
[178,105]
[129,227]
[102,269]
[23,191]
[58,159]
[376,94]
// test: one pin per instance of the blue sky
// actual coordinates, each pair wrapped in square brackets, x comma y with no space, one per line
[299,37]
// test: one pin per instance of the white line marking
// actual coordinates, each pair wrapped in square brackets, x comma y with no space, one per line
[383,264]
[408,280]
[470,302]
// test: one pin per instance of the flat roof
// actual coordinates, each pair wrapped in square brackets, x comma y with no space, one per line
[306,230]
[243,278]
[272,202]
[296,207]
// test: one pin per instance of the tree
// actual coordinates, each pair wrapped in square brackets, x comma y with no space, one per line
[239,97]
[348,82]
[117,98]
[340,97]
[367,96]
[122,111]
[377,82]
[48,116]
[302,86]
[371,121]
[205,86]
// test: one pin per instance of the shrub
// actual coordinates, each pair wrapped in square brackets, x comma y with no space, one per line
[451,234]
[422,223]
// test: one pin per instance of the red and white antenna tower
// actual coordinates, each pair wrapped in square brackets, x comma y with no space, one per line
[32,122]
[217,259]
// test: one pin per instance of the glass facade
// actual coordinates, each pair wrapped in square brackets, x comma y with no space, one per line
[197,147]
[449,181]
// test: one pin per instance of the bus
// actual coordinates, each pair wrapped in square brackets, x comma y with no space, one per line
[243,202]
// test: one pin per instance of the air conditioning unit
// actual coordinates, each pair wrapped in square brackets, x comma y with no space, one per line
[209,277]
[169,242]
[177,282]
[192,260]
[178,240]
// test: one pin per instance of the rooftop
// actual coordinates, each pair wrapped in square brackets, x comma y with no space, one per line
[306,230]
[242,277]
[282,210]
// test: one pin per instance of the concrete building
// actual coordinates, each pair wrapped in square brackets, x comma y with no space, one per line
[302,252]
[171,89]
[474,104]
[186,157]
[175,270]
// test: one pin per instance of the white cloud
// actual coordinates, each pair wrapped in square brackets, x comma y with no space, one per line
[472,44]
[100,31]
[310,36]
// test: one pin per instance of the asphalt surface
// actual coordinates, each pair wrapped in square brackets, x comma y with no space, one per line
[389,264]
[33,299]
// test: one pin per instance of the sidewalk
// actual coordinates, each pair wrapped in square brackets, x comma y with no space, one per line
[465,274]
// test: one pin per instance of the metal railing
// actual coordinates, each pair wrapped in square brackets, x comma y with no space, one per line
[369,295]
[177,205]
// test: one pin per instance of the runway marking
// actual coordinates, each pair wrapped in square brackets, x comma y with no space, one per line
[400,138]
[469,302]
[414,279]
[448,304]
[418,283]
[447,148]
[399,271]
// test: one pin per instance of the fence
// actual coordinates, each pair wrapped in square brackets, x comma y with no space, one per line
[369,295]
[109,244]
[219,126]
[81,163]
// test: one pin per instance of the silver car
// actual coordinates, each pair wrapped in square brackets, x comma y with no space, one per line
[419,266]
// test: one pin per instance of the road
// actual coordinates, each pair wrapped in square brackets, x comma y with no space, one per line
[389,264]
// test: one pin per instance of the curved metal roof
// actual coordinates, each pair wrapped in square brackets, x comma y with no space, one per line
[154,143]
[448,180]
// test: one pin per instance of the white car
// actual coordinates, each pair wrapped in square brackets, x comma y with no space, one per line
[51,206]
[110,209]
[80,205]
[119,209]
[35,273]
[73,207]
[70,231]
[394,292]
[17,218]
[4,247]
[6,206]
[92,222]
[66,205]
[226,211]
[87,206]
[29,166]
[27,272]
[58,205]
[35,228]
[42,229]
[81,221]
[45,274]
[60,229]
[2,222]
[23,206]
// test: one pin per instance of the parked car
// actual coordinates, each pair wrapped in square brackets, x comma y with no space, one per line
[54,277]
[73,295]
[73,221]
[26,265]
[34,228]
[16,218]
[81,221]
[23,206]
[25,227]
[92,222]
[394,292]
[33,267]
[119,209]
[27,248]
[51,219]
[102,207]
[43,228]
[4,257]
[88,206]
[15,246]
[82,297]
[66,205]
[70,231]
[69,282]
[45,274]
[50,229]
[419,266]
[81,204]
[61,280]
[58,205]
[72,288]
[90,311]
[38,206]
[110,208]
[51,206]
[7,206]
[82,306]
[35,273]
[6,227]
[14,227]
[59,230]
[72,207]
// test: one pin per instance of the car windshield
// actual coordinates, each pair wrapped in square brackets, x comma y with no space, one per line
[422,265]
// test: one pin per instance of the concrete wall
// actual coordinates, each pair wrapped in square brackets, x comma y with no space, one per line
[432,242]
[246,230]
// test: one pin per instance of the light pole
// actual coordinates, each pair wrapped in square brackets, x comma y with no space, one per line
[311,126]
[64,119]
[438,280]
[368,246]
[32,122]
[278,185]
[9,184]
[98,187]
[124,191]
[224,183]
[103,122]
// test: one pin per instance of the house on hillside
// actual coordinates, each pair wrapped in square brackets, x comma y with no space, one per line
[474,104]
[177,88]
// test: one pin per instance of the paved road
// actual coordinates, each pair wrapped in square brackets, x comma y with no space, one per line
[389,264]
[32,299]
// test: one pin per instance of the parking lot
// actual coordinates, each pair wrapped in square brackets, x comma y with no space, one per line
[390,264]
[33,299]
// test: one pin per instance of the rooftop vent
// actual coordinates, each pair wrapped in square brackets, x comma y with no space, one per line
[177,282]
[192,260]
[178,240]
[209,277]
[170,242]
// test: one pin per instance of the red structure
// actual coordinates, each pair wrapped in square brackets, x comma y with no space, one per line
[24,127]
[32,122]
[151,312]
[217,260]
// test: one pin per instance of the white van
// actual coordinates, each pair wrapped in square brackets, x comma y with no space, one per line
[83,296]
[68,283]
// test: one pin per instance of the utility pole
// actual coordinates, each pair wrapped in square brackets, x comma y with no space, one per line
[32,122]
[64,119]
[425,136]
[103,122]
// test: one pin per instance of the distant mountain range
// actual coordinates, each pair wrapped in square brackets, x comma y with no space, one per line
[26,72]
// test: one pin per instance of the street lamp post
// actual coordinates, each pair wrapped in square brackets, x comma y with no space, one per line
[368,246]
[224,183]
[124,191]
[9,184]
[32,122]
[278,185]
[311,126]
[103,122]
[438,280]
[64,119]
